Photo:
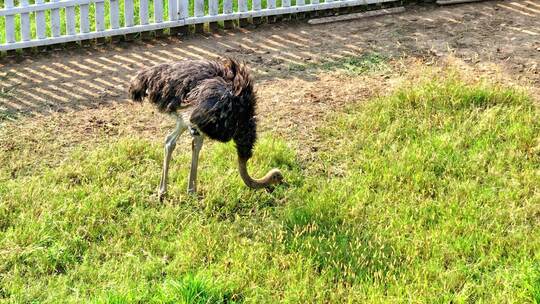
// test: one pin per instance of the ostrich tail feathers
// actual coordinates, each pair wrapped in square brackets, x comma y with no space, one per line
[238,73]
[138,86]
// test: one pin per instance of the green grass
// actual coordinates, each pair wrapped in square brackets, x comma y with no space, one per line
[430,195]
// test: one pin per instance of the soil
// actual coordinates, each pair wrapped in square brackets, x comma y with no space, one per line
[83,91]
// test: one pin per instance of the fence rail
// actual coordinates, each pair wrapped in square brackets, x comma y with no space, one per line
[60,21]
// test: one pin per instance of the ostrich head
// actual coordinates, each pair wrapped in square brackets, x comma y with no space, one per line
[273,177]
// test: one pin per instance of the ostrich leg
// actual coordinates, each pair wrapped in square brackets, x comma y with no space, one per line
[170,144]
[196,147]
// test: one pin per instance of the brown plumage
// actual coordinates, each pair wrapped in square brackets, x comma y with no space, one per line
[212,98]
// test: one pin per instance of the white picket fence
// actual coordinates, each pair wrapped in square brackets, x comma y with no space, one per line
[52,27]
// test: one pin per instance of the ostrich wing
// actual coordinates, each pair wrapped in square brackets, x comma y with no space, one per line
[168,85]
[215,112]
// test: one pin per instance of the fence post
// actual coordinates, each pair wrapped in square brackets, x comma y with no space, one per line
[198,8]
[158,11]
[84,23]
[10,23]
[228,9]
[114,12]
[242,7]
[100,16]
[70,20]
[256,6]
[41,25]
[271,4]
[55,21]
[213,7]
[128,12]
[183,9]
[25,23]
[143,11]
[173,10]
[181,13]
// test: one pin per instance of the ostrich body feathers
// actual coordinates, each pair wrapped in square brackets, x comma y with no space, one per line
[217,96]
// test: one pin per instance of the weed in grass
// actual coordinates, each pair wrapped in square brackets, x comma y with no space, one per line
[534,284]
[370,62]
[297,67]
[353,65]
[6,115]
[5,92]
[187,290]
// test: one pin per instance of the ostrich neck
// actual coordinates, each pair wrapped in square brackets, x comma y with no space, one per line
[248,180]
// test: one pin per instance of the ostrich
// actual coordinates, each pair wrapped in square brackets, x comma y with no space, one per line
[210,98]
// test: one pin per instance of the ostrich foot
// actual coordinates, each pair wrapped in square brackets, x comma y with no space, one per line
[161,196]
[269,189]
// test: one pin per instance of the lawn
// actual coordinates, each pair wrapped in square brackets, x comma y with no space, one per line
[427,195]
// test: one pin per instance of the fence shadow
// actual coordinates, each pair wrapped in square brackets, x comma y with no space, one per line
[79,79]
